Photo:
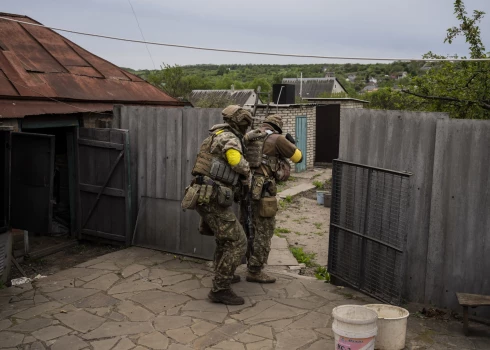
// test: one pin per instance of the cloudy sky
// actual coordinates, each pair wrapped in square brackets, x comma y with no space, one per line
[379,28]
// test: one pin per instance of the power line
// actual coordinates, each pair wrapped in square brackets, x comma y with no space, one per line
[142,35]
[250,52]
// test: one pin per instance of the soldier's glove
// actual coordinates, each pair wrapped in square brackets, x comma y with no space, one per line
[254,135]
[290,138]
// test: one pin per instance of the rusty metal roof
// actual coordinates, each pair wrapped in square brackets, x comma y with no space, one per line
[39,64]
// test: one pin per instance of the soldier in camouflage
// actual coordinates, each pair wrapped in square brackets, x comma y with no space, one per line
[264,151]
[219,169]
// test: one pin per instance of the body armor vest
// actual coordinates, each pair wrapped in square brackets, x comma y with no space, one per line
[256,157]
[213,165]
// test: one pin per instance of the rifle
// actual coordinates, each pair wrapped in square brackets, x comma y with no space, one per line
[249,227]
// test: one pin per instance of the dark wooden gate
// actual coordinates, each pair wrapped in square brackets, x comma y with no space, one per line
[104,185]
[327,133]
[31,184]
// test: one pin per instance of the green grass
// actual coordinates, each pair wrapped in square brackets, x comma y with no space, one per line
[283,204]
[318,225]
[298,233]
[279,235]
[315,176]
[302,257]
[322,274]
[320,233]
[281,230]
[289,199]
[301,220]
[318,184]
[292,179]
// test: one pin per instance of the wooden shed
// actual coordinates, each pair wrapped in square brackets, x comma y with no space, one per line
[69,173]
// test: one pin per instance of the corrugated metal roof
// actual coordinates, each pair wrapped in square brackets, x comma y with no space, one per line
[37,63]
[239,97]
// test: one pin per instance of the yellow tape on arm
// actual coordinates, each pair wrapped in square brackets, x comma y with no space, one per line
[233,157]
[296,156]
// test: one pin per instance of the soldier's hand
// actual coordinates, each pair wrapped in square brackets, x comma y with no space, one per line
[254,135]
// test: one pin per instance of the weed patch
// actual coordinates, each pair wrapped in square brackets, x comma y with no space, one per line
[322,274]
[302,257]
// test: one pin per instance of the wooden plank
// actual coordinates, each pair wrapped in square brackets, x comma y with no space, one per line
[101,234]
[161,153]
[108,191]
[130,121]
[100,144]
[116,162]
[465,299]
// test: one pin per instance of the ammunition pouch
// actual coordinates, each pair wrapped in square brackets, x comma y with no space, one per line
[190,197]
[225,196]
[268,207]
[205,194]
[222,171]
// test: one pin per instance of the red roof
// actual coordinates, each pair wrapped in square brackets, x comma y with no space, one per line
[37,63]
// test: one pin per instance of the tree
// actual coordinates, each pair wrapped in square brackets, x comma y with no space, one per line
[461,89]
[171,80]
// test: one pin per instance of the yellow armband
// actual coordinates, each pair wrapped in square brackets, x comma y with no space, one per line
[296,156]
[233,157]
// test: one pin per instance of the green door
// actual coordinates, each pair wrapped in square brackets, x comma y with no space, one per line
[301,139]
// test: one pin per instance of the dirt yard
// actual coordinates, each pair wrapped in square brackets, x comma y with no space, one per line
[302,221]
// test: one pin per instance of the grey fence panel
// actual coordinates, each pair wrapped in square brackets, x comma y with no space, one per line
[459,243]
[403,141]
[164,144]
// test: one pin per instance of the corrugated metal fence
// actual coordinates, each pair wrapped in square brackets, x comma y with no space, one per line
[449,208]
[163,144]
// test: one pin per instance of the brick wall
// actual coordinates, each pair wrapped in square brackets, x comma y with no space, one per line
[14,123]
[102,121]
[289,114]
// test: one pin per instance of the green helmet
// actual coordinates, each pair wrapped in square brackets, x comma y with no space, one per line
[237,115]
[275,120]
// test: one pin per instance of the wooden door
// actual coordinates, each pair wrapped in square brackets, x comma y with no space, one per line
[31,184]
[104,209]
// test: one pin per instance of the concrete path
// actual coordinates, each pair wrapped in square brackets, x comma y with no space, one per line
[142,299]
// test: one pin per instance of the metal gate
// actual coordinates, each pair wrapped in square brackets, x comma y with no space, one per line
[368,228]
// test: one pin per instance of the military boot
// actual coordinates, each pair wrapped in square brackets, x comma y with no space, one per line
[226,296]
[259,277]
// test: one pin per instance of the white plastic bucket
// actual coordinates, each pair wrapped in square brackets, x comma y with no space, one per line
[392,326]
[354,327]
[319,197]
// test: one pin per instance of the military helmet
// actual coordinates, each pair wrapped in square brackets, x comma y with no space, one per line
[237,115]
[275,120]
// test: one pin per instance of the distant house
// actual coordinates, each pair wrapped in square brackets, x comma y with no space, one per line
[370,88]
[315,87]
[351,77]
[219,97]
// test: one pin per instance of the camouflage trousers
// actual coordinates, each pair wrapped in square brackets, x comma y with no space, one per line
[231,242]
[264,230]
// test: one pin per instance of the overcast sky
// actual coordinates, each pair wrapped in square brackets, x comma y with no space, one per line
[387,28]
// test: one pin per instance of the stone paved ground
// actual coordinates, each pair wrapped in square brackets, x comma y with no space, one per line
[142,299]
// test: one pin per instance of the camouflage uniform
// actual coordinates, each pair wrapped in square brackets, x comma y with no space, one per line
[231,242]
[274,145]
[223,144]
